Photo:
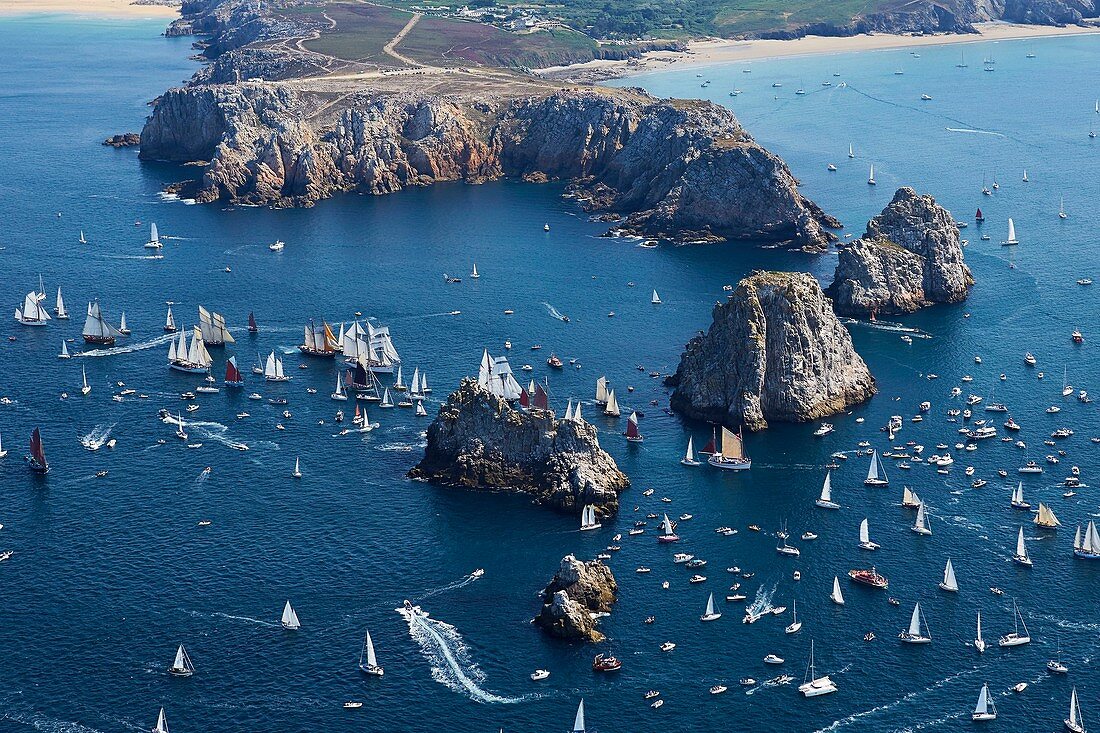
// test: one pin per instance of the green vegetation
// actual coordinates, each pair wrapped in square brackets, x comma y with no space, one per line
[361,32]
[442,42]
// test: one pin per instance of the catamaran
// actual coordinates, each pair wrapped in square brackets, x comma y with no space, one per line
[1045,518]
[273,369]
[656,299]
[1011,234]
[1074,723]
[1087,545]
[214,331]
[233,376]
[949,583]
[836,596]
[611,408]
[979,642]
[32,313]
[290,618]
[1015,638]
[814,685]
[36,459]
[96,329]
[319,340]
[913,634]
[710,614]
[876,472]
[1021,557]
[865,542]
[985,709]
[632,434]
[170,321]
[154,238]
[825,501]
[181,665]
[588,518]
[368,662]
[59,307]
[193,358]
[732,455]
[920,524]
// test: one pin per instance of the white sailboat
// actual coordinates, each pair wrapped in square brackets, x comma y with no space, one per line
[601,391]
[914,635]
[1086,545]
[368,662]
[273,369]
[59,307]
[577,413]
[612,407]
[290,618]
[909,498]
[569,411]
[170,322]
[710,614]
[339,395]
[414,386]
[949,583]
[96,328]
[181,665]
[825,501]
[851,152]
[979,642]
[85,388]
[865,542]
[1062,207]
[297,468]
[1018,501]
[1015,637]
[1011,234]
[421,412]
[214,330]
[162,723]
[1045,518]
[588,518]
[876,472]
[578,722]
[154,238]
[985,709]
[1021,557]
[32,313]
[474,274]
[836,596]
[399,380]
[1074,723]
[122,328]
[2,451]
[82,240]
[814,685]
[689,455]
[795,625]
[387,401]
[64,351]
[732,454]
[193,358]
[871,176]
[920,524]
[656,299]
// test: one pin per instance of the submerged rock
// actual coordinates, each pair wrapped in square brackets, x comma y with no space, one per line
[910,257]
[479,441]
[577,591]
[775,351]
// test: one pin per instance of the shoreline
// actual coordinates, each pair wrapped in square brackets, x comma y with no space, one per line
[718,52]
[122,9]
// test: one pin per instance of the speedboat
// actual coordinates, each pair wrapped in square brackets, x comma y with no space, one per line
[773,659]
[717,689]
[540,674]
[667,646]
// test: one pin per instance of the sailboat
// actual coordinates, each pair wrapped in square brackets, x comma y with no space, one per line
[32,313]
[415,390]
[814,685]
[865,542]
[1025,175]
[82,240]
[1067,389]
[252,327]
[170,321]
[368,662]
[191,359]
[578,722]
[2,451]
[920,524]
[825,501]
[122,328]
[319,340]
[979,642]
[64,351]
[985,709]
[871,176]
[732,455]
[1045,518]
[214,330]
[421,412]
[59,307]
[1021,557]
[667,534]
[876,472]
[656,299]
[273,369]
[181,665]
[632,433]
[689,455]
[588,518]
[909,498]
[339,395]
[795,624]
[1074,723]
[1062,207]
[601,391]
[36,459]
[162,723]
[913,634]
[290,618]
[1087,545]
[978,216]
[612,407]
[85,388]
[1018,501]
[154,238]
[297,468]
[949,583]
[399,381]
[386,400]
[710,614]
[1015,638]
[474,274]
[1011,234]
[233,376]
[851,152]
[836,596]
[96,329]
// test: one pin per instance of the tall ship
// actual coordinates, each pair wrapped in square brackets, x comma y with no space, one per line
[732,455]
[495,374]
[273,369]
[362,381]
[383,356]
[96,329]
[36,458]
[32,313]
[319,340]
[213,329]
[191,358]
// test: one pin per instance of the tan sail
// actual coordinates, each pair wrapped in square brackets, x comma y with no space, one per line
[1046,518]
[732,447]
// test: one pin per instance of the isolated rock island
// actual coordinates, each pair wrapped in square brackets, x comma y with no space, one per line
[909,257]
[479,441]
[774,352]
[577,591]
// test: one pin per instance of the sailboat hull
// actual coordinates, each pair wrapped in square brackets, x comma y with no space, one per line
[875,482]
[372,669]
[729,464]
[100,340]
[1086,555]
[686,462]
[1013,640]
[36,466]
[180,672]
[822,503]
[907,638]
[188,368]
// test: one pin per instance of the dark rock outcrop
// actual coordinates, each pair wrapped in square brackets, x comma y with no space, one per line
[909,257]
[577,591]
[775,351]
[124,140]
[479,441]
[681,169]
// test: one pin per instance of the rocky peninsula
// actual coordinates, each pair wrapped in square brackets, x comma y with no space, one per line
[774,352]
[577,591]
[910,257]
[479,441]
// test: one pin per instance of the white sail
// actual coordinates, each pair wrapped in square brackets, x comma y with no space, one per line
[578,722]
[836,596]
[170,321]
[876,473]
[980,641]
[122,323]
[64,350]
[1011,232]
[569,410]
[95,326]
[914,621]
[386,401]
[162,723]
[414,386]
[269,366]
[32,312]
[1074,718]
[710,605]
[59,306]
[871,175]
[921,523]
[827,487]
[154,237]
[656,299]
[612,407]
[577,414]
[290,617]
[864,532]
[601,390]
[84,378]
[1046,518]
[214,330]
[1077,537]
[982,708]
[689,456]
[908,497]
[1021,548]
[1092,538]
[949,581]
[372,660]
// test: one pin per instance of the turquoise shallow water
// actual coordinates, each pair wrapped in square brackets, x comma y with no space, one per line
[110,574]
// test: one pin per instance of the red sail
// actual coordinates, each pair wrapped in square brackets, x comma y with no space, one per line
[252,322]
[524,398]
[542,401]
[979,216]
[712,444]
[632,427]
[37,453]
[232,373]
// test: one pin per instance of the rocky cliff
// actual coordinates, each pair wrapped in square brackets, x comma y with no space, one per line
[674,168]
[909,257]
[775,351]
[479,441]
[577,591]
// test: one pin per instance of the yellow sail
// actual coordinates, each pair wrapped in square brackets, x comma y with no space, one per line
[731,445]
[330,339]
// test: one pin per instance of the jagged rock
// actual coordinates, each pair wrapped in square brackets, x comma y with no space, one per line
[480,441]
[775,351]
[679,169]
[124,140]
[909,257]
[577,591]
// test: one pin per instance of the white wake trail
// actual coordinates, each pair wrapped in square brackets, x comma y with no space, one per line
[460,583]
[114,350]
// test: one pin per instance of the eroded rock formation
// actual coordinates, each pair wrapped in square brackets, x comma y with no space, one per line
[577,591]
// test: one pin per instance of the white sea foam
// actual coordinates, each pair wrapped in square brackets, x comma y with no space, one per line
[97,438]
[554,312]
[461,582]
[128,349]
[231,617]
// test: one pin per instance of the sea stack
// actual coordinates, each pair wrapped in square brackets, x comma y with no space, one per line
[910,257]
[578,590]
[480,441]
[775,351]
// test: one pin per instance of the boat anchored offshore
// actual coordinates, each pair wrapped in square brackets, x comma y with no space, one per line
[732,455]
[368,662]
[1015,637]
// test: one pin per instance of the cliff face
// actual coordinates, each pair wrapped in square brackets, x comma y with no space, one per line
[680,169]
[578,590]
[479,441]
[909,257]
[775,351]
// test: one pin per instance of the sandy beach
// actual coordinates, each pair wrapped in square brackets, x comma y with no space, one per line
[713,52]
[97,8]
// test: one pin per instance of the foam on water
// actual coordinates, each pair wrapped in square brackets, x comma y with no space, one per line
[129,349]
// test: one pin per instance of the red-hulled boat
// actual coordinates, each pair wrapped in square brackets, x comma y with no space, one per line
[869,577]
[606,663]
[233,376]
[37,457]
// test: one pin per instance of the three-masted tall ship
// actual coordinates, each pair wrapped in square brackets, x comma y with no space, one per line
[191,358]
[214,331]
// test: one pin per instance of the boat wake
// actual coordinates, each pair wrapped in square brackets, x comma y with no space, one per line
[230,617]
[462,582]
[971,131]
[856,717]
[889,326]
[449,656]
[396,447]
[98,437]
[762,603]
[554,312]
[39,722]
[114,350]
[767,684]
[212,431]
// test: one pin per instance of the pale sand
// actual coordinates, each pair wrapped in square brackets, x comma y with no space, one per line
[98,8]
[713,52]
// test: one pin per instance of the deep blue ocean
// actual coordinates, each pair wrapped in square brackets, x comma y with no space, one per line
[109,574]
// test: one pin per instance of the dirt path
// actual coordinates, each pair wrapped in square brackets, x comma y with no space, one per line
[390,48]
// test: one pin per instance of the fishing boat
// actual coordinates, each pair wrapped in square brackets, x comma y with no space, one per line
[871,176]
[96,329]
[59,307]
[289,619]
[181,665]
[1021,556]
[985,709]
[949,583]
[319,341]
[710,614]
[836,596]
[689,455]
[213,328]
[668,533]
[914,634]
[1015,637]
[1011,234]
[825,501]
[588,518]
[870,577]
[732,455]
[920,524]
[273,369]
[611,408]
[1086,545]
[1074,723]
[193,358]
[876,472]
[813,686]
[154,238]
[170,321]
[979,642]
[36,458]
[368,662]
[632,434]
[162,723]
[865,542]
[1045,518]
[655,299]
